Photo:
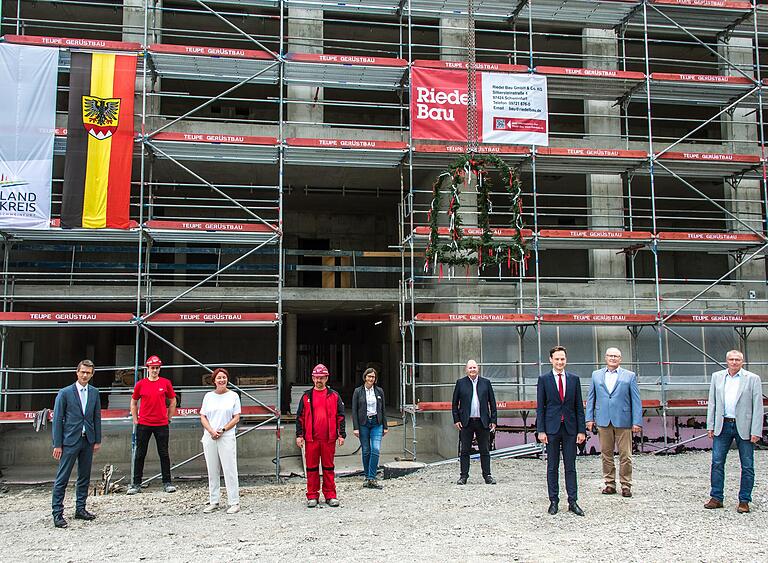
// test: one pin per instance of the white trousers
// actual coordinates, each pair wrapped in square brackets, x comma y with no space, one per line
[221,455]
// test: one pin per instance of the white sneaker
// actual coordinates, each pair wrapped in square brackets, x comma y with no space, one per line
[210,508]
[234,509]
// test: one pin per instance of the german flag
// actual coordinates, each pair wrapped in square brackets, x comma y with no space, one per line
[97,170]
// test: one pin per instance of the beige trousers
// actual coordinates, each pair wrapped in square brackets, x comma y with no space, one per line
[621,438]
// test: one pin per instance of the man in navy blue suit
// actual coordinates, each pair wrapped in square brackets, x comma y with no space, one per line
[76,436]
[560,424]
[474,416]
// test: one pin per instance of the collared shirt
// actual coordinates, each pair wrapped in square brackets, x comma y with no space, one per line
[82,392]
[474,411]
[611,377]
[730,394]
[557,385]
[370,401]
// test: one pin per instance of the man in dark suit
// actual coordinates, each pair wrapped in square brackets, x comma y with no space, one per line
[474,415]
[560,424]
[76,436]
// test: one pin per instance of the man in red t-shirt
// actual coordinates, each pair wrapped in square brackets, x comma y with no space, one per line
[153,405]
[320,426]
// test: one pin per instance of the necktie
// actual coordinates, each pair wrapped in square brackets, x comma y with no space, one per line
[82,399]
[560,387]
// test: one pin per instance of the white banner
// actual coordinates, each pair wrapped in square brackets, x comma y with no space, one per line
[514,108]
[27,123]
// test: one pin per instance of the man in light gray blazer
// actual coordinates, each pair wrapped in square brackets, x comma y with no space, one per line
[734,412]
[76,437]
[614,404]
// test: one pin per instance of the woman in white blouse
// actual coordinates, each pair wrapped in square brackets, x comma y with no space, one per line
[369,420]
[219,415]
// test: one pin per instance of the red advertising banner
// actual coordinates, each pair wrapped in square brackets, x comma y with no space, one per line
[511,108]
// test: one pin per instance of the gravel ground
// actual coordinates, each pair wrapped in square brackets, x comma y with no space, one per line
[424,516]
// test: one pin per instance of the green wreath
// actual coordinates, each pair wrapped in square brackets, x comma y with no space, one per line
[484,251]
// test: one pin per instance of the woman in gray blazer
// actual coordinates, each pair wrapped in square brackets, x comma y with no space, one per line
[370,424]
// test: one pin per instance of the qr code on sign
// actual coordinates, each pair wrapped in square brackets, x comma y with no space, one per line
[499,123]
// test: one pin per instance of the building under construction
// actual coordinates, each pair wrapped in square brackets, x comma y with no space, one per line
[280,208]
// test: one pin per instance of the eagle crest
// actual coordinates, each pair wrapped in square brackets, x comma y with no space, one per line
[100,116]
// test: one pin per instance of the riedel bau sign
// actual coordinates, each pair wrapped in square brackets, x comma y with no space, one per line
[511,108]
[437,104]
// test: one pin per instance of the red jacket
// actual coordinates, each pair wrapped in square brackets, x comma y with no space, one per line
[334,407]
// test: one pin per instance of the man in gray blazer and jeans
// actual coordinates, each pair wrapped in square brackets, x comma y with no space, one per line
[76,437]
[613,403]
[734,412]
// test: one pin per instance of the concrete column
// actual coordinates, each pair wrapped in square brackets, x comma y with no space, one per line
[176,375]
[740,133]
[603,127]
[305,35]
[291,346]
[133,31]
[453,39]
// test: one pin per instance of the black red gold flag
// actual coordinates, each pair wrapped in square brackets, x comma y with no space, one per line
[100,137]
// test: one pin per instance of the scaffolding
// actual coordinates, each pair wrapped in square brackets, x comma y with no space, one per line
[244,102]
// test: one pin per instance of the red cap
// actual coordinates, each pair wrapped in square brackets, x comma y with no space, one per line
[320,371]
[153,361]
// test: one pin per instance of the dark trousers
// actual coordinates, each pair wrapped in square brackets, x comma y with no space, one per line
[474,429]
[82,453]
[143,433]
[565,443]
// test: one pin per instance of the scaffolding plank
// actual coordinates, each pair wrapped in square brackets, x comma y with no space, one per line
[443,155]
[485,10]
[703,241]
[442,406]
[345,71]
[462,65]
[585,160]
[210,232]
[561,238]
[209,319]
[125,414]
[220,64]
[390,7]
[473,319]
[598,84]
[215,148]
[57,233]
[706,165]
[599,319]
[694,403]
[73,43]
[592,13]
[344,152]
[719,319]
[694,15]
[697,89]
[65,319]
[499,234]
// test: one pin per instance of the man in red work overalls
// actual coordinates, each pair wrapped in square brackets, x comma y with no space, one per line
[319,427]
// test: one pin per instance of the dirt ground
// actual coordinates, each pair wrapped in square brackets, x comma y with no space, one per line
[424,516]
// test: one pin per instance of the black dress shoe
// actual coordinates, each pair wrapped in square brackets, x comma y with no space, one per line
[84,515]
[462,481]
[576,509]
[552,508]
[489,480]
[59,522]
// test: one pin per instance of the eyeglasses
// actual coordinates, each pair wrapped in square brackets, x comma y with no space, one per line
[613,355]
